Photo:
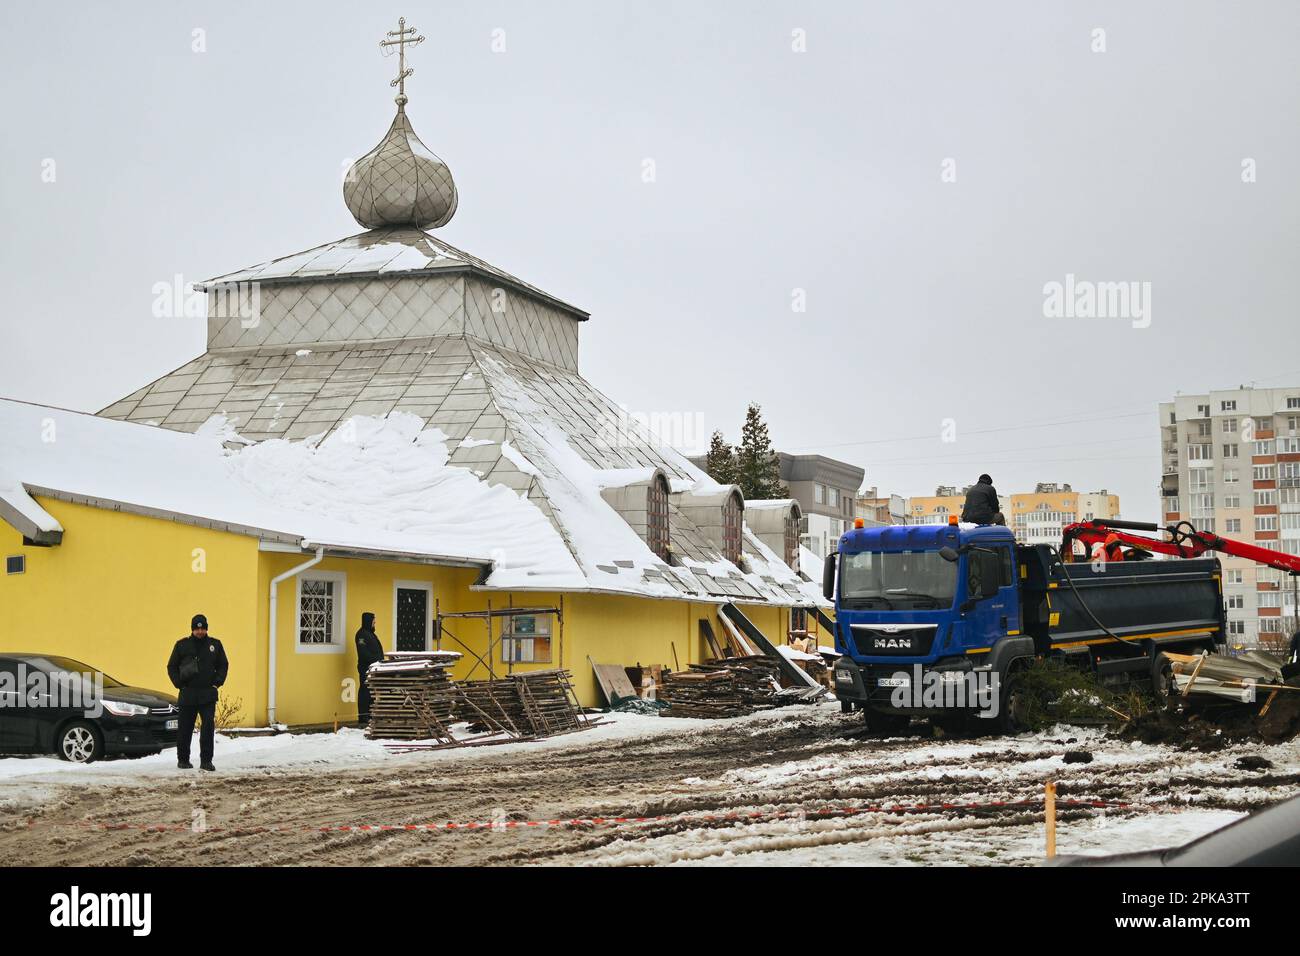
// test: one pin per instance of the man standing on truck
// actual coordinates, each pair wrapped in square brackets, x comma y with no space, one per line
[981,502]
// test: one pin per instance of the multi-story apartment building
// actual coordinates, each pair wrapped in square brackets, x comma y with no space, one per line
[1036,517]
[1231,465]
[826,490]
[877,509]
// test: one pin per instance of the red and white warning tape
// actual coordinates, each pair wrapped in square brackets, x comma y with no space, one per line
[587,822]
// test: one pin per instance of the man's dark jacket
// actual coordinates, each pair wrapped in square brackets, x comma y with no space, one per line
[369,650]
[981,504]
[197,668]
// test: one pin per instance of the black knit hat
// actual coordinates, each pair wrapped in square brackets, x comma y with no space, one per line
[198,621]
[985,479]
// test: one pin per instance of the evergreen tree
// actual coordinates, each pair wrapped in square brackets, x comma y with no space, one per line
[758,470]
[720,462]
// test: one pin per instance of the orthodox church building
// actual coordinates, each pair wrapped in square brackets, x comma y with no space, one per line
[381,423]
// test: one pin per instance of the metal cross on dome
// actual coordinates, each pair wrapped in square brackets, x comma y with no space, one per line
[403,35]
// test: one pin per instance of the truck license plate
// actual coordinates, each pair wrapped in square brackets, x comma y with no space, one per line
[173,724]
[894,682]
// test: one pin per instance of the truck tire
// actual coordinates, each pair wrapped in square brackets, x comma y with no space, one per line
[1009,704]
[885,725]
[1163,685]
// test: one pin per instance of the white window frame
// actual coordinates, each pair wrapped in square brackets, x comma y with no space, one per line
[338,642]
[427,587]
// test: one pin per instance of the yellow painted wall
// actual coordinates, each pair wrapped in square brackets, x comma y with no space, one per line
[629,630]
[120,591]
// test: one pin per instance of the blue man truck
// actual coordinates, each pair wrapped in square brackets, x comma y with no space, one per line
[938,621]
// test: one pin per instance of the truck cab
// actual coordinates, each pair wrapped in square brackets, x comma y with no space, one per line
[913,599]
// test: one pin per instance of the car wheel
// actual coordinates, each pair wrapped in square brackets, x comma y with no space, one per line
[79,742]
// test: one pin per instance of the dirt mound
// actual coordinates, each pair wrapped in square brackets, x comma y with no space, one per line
[1212,728]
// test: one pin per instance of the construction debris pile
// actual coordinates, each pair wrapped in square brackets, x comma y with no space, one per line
[413,697]
[1215,701]
[730,687]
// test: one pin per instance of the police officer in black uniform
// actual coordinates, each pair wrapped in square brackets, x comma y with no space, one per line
[197,668]
[370,650]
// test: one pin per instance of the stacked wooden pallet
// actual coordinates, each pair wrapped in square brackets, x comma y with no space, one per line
[412,699]
[702,693]
[532,704]
[492,706]
[549,702]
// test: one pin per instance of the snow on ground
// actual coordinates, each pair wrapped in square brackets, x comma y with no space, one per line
[796,786]
[348,748]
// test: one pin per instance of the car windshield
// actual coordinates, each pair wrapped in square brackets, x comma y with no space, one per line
[52,665]
[894,576]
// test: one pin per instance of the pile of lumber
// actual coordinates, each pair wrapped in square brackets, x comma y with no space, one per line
[532,704]
[702,693]
[757,678]
[412,698]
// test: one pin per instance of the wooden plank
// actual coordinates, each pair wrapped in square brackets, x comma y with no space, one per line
[613,682]
[706,630]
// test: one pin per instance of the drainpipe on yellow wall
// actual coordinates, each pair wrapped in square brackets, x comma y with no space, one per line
[270,668]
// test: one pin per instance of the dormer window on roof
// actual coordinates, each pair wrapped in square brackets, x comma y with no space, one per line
[657,530]
[777,523]
[719,514]
[641,499]
[732,510]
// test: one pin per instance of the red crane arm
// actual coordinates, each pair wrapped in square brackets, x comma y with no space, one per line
[1183,541]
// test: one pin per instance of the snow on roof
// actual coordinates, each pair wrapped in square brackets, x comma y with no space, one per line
[389,489]
[25,508]
[768,504]
[537,429]
[400,250]
[810,565]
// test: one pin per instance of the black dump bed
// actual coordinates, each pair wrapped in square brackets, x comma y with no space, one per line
[1177,598]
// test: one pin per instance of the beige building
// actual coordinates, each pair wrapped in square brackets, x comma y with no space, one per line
[1231,465]
[1037,517]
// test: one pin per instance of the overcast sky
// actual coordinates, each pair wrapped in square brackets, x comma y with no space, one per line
[775,170]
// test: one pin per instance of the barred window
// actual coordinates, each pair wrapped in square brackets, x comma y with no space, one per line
[731,519]
[657,536]
[320,611]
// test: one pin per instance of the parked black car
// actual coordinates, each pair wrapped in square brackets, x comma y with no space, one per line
[48,704]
